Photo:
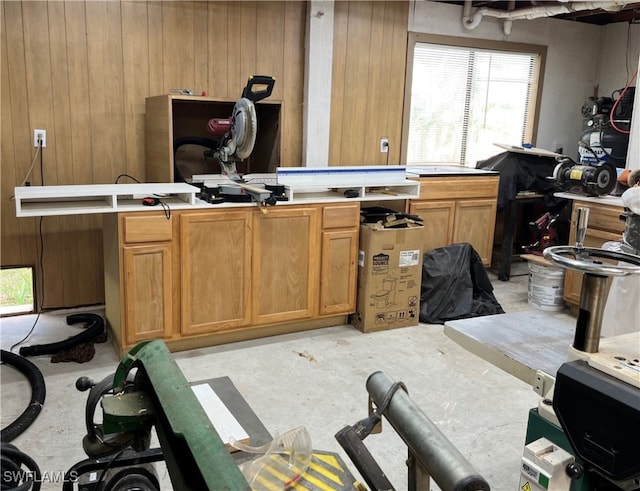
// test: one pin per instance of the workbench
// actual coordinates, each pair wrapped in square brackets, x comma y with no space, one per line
[520,343]
[505,255]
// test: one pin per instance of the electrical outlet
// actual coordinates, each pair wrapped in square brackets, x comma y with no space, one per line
[384,145]
[39,138]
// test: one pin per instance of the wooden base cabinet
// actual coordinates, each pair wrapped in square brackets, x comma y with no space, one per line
[604,225]
[285,264]
[211,276]
[139,262]
[215,253]
[338,267]
[458,209]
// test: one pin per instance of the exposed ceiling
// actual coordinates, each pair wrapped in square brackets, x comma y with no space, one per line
[629,12]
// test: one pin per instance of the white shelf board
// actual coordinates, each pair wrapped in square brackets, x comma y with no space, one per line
[96,198]
[405,190]
[342,176]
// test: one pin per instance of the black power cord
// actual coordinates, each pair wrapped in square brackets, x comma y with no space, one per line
[40,303]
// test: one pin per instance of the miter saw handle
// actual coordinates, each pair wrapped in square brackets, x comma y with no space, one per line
[258,80]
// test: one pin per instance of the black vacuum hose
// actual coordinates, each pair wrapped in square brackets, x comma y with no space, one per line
[96,327]
[38,393]
[12,476]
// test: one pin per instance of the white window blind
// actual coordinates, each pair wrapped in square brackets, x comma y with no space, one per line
[463,100]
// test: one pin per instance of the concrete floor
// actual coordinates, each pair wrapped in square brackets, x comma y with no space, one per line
[315,379]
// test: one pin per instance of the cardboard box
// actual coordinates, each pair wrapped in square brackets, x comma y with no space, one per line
[389,277]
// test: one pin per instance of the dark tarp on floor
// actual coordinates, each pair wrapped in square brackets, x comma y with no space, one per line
[455,285]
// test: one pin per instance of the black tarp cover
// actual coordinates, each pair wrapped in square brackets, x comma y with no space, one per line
[455,285]
[523,172]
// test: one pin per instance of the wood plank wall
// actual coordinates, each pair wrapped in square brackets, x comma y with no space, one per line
[82,70]
[369,61]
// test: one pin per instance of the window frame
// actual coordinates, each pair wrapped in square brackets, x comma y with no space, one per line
[455,41]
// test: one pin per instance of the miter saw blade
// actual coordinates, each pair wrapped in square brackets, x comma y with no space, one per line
[244,128]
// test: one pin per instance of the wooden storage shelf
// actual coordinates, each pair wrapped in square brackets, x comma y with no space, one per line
[369,182]
[34,201]
[170,118]
[409,190]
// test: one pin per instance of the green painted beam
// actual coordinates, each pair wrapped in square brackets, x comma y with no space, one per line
[195,455]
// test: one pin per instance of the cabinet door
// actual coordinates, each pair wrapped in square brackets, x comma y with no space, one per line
[285,264]
[215,252]
[338,272]
[474,223]
[147,285]
[438,222]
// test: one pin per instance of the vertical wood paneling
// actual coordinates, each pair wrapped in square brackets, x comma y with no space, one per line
[78,76]
[338,72]
[59,228]
[38,79]
[292,83]
[156,61]
[178,45]
[37,56]
[367,77]
[356,81]
[104,48]
[200,47]
[269,55]
[18,246]
[135,68]
[82,273]
[397,70]
[376,113]
[217,44]
[248,40]
[235,77]
[82,70]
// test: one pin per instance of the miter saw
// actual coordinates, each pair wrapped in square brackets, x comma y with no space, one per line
[237,136]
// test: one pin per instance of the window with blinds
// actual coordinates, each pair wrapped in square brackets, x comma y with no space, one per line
[464,99]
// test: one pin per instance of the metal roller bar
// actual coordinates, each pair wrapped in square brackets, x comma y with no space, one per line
[446,465]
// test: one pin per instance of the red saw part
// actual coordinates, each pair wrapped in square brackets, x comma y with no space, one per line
[219,126]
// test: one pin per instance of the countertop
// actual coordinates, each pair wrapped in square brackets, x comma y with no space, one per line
[446,170]
[603,200]
[520,343]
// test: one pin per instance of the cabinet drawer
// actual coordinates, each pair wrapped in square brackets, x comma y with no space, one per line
[145,228]
[459,187]
[601,217]
[343,216]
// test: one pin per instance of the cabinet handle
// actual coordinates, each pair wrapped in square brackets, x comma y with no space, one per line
[582,219]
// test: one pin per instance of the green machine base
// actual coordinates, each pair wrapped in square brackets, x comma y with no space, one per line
[538,427]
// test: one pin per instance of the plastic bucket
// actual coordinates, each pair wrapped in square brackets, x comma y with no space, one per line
[546,287]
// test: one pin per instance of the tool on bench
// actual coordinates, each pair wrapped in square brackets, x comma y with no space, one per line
[431,454]
[237,135]
[592,180]
[148,391]
[590,408]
